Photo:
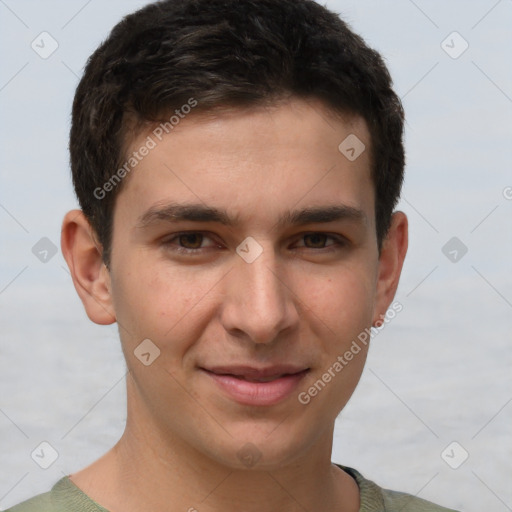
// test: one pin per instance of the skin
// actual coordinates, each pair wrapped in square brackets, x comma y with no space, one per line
[302,301]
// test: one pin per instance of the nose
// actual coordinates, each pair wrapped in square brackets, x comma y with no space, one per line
[259,303]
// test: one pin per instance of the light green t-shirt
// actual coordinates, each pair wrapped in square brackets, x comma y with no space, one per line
[65,496]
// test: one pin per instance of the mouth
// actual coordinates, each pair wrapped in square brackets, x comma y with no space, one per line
[257,386]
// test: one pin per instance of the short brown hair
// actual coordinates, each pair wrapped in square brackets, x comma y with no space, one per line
[227,53]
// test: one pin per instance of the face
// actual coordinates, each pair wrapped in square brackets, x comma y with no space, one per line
[244,249]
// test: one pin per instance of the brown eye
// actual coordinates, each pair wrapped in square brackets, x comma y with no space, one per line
[318,242]
[315,240]
[190,243]
[191,240]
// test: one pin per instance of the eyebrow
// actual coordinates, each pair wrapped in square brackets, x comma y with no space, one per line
[175,212]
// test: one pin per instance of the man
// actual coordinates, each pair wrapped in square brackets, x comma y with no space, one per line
[237,164]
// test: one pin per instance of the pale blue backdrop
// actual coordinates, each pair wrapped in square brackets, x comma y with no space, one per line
[438,374]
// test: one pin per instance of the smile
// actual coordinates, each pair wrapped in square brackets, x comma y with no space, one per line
[257,387]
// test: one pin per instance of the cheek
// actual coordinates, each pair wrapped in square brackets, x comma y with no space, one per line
[163,304]
[341,313]
[342,301]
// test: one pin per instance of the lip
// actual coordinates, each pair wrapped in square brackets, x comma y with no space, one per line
[257,386]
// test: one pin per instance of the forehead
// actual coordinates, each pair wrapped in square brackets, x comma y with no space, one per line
[253,160]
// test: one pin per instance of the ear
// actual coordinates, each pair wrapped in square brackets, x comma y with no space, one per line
[391,259]
[90,276]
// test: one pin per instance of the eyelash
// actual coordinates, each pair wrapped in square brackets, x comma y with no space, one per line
[339,242]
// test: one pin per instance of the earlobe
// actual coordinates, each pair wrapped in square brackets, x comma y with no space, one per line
[394,249]
[90,276]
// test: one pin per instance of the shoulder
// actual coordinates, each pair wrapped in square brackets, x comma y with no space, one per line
[375,498]
[64,496]
[394,500]
[39,503]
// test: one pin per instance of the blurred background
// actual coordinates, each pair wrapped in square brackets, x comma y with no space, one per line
[432,414]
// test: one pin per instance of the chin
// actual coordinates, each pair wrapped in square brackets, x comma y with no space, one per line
[262,451]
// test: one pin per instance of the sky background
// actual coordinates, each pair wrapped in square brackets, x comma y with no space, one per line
[438,373]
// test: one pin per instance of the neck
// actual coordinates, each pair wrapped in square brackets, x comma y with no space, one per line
[149,470]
